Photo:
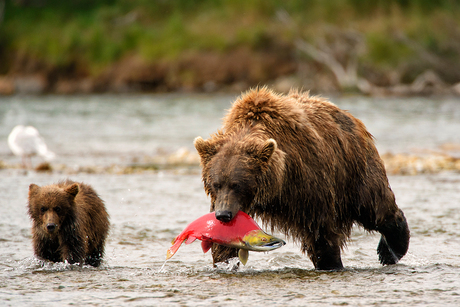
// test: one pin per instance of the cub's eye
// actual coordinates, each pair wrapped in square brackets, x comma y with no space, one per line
[57,209]
[42,209]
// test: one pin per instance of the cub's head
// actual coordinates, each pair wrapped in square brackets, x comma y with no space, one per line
[236,171]
[49,206]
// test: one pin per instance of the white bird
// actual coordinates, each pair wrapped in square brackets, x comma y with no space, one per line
[25,141]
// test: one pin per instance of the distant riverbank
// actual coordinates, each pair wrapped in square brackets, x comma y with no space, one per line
[384,48]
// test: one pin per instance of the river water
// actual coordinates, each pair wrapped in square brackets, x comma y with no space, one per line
[149,208]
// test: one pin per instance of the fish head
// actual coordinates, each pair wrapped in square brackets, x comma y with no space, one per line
[260,241]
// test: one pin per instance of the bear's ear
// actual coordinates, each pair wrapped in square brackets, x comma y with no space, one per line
[73,189]
[267,150]
[206,149]
[33,189]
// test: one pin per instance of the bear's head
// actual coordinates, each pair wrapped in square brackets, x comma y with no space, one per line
[50,206]
[236,172]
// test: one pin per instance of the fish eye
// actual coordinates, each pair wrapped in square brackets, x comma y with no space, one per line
[263,239]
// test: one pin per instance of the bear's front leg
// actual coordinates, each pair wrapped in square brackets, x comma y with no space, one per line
[72,247]
[47,249]
[94,257]
[222,253]
[71,255]
[325,255]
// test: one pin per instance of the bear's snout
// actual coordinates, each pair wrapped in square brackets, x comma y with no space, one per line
[50,221]
[51,227]
[224,216]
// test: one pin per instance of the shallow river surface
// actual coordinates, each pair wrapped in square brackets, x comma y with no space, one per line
[148,209]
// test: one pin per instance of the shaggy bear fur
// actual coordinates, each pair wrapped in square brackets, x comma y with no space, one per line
[305,167]
[70,222]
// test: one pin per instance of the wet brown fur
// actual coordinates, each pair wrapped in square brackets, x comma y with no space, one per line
[79,216]
[321,174]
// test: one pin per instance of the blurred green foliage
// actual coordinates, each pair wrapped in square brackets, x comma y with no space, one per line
[99,32]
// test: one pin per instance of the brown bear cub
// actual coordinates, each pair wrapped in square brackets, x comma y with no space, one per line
[306,168]
[70,222]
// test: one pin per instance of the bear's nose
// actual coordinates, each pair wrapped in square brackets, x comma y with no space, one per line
[51,227]
[224,216]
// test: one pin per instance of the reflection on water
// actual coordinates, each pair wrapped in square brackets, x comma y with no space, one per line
[149,209]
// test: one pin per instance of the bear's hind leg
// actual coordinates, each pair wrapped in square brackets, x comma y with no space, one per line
[394,242]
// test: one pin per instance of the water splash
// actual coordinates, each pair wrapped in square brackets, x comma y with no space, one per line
[161,269]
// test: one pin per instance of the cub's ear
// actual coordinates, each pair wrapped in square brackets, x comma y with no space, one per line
[267,150]
[73,189]
[206,149]
[33,189]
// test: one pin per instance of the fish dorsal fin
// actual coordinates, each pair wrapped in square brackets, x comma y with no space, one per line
[206,245]
[243,254]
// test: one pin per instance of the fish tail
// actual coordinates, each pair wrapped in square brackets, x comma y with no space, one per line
[173,249]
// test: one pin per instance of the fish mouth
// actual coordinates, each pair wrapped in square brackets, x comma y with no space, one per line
[274,245]
[259,241]
[268,246]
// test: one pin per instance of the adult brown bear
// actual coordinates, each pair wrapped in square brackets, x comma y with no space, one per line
[70,222]
[305,167]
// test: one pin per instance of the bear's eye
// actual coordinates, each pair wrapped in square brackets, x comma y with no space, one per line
[216,186]
[57,209]
[234,186]
[42,209]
